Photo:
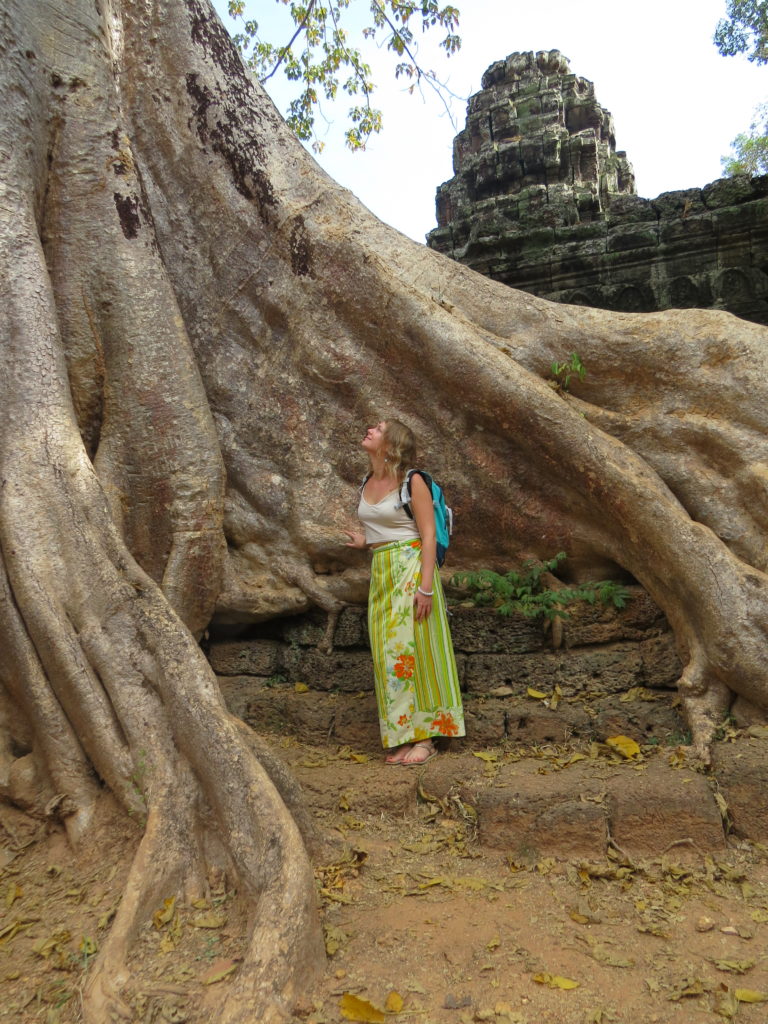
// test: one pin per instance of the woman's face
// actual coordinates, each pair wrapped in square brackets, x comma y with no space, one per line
[375,439]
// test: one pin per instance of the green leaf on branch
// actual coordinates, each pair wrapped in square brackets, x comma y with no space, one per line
[523,591]
[320,56]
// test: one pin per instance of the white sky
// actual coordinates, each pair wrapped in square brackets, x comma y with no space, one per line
[676,103]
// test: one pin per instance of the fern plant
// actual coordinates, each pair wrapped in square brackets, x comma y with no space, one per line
[524,591]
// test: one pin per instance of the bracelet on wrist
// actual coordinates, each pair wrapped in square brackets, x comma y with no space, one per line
[425,593]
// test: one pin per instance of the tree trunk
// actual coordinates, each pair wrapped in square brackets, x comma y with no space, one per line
[198,325]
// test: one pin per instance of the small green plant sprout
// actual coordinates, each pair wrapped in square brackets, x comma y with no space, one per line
[562,372]
[88,949]
[524,591]
[275,680]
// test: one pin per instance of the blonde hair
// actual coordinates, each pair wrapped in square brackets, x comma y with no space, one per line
[401,448]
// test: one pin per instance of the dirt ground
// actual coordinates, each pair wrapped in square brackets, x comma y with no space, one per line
[423,922]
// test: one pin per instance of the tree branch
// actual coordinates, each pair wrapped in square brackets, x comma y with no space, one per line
[286,49]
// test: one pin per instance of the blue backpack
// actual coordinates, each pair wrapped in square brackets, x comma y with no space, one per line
[443,514]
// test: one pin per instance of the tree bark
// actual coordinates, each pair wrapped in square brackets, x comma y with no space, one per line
[198,324]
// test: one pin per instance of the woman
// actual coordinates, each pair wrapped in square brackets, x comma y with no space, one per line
[417,685]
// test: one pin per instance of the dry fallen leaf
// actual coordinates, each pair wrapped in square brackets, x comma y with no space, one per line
[335,938]
[8,931]
[354,1008]
[394,1003]
[348,754]
[55,943]
[735,966]
[677,758]
[13,892]
[722,805]
[725,1003]
[577,917]
[218,971]
[555,981]
[624,745]
[164,914]
[690,987]
[211,920]
[749,995]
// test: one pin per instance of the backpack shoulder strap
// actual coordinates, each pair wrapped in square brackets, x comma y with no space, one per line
[405,489]
[424,476]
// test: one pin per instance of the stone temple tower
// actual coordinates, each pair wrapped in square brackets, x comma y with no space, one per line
[541,200]
[536,141]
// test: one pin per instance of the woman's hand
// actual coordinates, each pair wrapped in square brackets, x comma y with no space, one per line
[356,540]
[423,606]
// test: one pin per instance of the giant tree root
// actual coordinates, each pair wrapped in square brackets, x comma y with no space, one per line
[197,325]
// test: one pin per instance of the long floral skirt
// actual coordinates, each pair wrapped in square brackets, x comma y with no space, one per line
[417,685]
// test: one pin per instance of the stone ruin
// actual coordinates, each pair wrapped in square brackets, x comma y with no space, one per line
[615,672]
[542,201]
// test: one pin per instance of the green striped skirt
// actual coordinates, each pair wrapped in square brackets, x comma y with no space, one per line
[417,685]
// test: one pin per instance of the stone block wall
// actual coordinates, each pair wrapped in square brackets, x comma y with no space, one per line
[615,673]
[542,201]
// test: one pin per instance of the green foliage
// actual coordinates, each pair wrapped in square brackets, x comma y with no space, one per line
[750,149]
[744,30]
[562,372]
[321,59]
[524,591]
[278,679]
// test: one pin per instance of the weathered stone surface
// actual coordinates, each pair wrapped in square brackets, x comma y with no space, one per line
[530,721]
[643,721]
[544,806]
[536,814]
[350,671]
[474,629]
[351,719]
[596,624]
[614,668]
[317,718]
[664,808]
[245,657]
[742,773]
[610,652]
[658,811]
[542,201]
[661,662]
[351,629]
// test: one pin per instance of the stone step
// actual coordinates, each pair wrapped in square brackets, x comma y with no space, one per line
[551,805]
[504,714]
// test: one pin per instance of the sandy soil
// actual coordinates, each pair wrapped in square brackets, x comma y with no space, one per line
[420,920]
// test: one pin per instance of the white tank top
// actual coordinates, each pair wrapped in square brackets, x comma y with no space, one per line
[384,522]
